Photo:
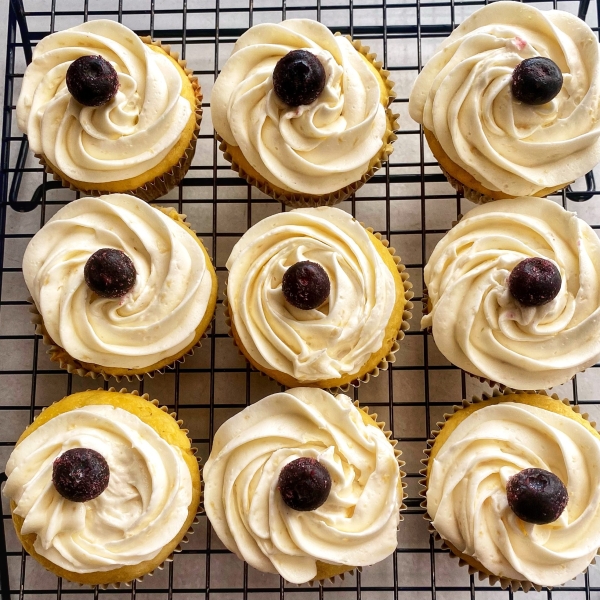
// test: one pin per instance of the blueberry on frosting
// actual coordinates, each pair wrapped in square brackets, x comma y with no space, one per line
[299,78]
[537,496]
[92,80]
[110,273]
[536,80]
[306,285]
[535,281]
[304,484]
[80,474]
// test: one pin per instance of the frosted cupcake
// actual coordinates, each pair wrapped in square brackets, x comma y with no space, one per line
[315,299]
[509,103]
[305,485]
[303,114]
[107,111]
[103,487]
[121,288]
[514,294]
[513,489]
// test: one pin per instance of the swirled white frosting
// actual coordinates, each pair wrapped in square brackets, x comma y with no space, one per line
[480,327]
[124,138]
[154,321]
[466,495]
[355,526]
[316,148]
[324,343]
[463,97]
[143,508]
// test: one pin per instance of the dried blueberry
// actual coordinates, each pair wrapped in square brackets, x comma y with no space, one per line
[110,273]
[80,474]
[534,281]
[305,285]
[304,484]
[537,496]
[92,80]
[298,78]
[536,80]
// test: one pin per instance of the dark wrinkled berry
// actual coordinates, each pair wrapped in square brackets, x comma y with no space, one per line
[534,281]
[298,78]
[304,484]
[110,273]
[306,285]
[80,474]
[536,80]
[92,80]
[536,496]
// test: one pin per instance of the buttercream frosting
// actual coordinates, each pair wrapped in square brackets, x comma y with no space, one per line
[466,495]
[122,139]
[480,327]
[156,319]
[143,508]
[313,149]
[357,523]
[463,97]
[319,344]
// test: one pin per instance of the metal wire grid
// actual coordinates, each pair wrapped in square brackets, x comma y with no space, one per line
[402,200]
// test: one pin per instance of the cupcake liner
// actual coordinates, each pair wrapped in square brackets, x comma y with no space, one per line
[72,365]
[199,510]
[299,200]
[505,583]
[165,182]
[383,365]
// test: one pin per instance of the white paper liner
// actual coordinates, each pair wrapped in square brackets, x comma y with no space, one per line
[505,583]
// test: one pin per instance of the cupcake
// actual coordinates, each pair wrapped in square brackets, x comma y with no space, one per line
[509,103]
[107,111]
[303,114]
[315,299]
[513,489]
[514,294]
[304,485]
[120,288]
[103,487]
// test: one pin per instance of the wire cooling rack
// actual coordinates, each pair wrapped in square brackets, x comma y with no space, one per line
[409,201]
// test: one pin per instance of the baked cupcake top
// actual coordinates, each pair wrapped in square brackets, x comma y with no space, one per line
[121,139]
[477,322]
[326,342]
[316,148]
[463,96]
[357,523]
[156,319]
[143,508]
[467,497]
